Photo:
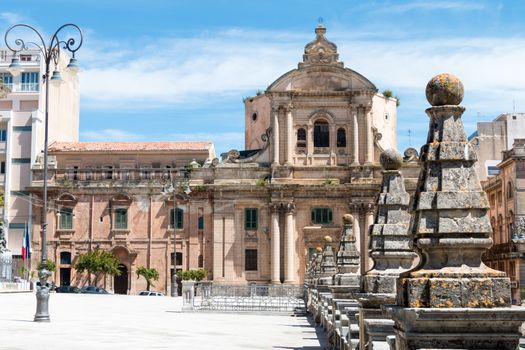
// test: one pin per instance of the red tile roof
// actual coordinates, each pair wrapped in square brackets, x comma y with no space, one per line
[108,147]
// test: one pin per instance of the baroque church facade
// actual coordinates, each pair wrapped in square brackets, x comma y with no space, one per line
[312,140]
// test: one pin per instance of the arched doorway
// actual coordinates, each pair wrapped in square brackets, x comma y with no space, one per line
[121,282]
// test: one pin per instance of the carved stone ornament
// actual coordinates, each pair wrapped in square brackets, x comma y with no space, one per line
[320,50]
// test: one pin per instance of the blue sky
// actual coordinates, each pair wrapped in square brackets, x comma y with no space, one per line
[178,70]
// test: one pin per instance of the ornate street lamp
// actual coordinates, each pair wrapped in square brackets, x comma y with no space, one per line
[174,188]
[51,54]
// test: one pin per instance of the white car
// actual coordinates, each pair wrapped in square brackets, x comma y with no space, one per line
[151,294]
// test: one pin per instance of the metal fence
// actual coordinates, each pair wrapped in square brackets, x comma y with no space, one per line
[274,298]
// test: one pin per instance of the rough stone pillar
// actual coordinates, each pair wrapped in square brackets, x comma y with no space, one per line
[289,276]
[355,130]
[451,300]
[390,240]
[390,251]
[327,264]
[275,248]
[347,259]
[289,135]
[275,135]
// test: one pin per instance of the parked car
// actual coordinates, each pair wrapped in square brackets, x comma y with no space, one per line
[67,289]
[151,294]
[93,290]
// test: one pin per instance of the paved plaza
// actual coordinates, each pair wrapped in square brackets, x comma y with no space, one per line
[80,321]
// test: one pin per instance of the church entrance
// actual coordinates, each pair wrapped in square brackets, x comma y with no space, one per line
[121,282]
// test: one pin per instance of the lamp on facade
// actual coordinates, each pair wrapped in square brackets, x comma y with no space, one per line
[51,54]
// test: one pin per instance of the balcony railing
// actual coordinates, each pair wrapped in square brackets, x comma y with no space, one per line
[29,87]
[500,250]
[89,175]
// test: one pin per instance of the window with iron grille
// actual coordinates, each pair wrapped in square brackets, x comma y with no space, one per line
[250,218]
[321,215]
[250,259]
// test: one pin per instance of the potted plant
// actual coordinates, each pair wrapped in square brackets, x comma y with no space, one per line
[189,278]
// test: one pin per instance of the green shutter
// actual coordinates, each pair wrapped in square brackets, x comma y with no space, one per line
[121,218]
[201,223]
[250,218]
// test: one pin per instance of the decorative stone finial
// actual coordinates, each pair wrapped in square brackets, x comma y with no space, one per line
[391,159]
[320,50]
[319,250]
[328,239]
[348,219]
[444,89]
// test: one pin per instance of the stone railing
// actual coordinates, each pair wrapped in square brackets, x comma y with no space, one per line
[65,176]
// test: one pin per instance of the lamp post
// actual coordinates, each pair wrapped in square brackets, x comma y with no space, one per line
[51,54]
[174,188]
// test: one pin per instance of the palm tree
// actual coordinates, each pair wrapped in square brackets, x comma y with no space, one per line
[149,274]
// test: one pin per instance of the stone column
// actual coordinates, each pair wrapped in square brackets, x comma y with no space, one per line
[289,276]
[290,135]
[369,221]
[275,135]
[275,249]
[356,213]
[369,139]
[355,131]
[452,299]
[309,143]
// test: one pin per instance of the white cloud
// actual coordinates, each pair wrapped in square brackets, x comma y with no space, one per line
[223,141]
[11,18]
[431,6]
[106,135]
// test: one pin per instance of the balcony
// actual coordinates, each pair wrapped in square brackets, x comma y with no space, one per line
[96,177]
[504,251]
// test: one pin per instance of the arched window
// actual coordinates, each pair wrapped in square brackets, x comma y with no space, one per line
[301,137]
[510,193]
[321,134]
[500,229]
[341,137]
[510,224]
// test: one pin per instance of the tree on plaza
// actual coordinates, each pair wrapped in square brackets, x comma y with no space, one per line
[149,274]
[98,262]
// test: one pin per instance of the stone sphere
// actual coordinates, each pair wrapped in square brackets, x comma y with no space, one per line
[319,250]
[327,239]
[348,219]
[444,89]
[391,159]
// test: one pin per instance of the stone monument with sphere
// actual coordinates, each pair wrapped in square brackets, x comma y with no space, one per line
[451,300]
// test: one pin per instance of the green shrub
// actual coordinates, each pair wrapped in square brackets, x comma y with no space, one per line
[192,275]
[50,266]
